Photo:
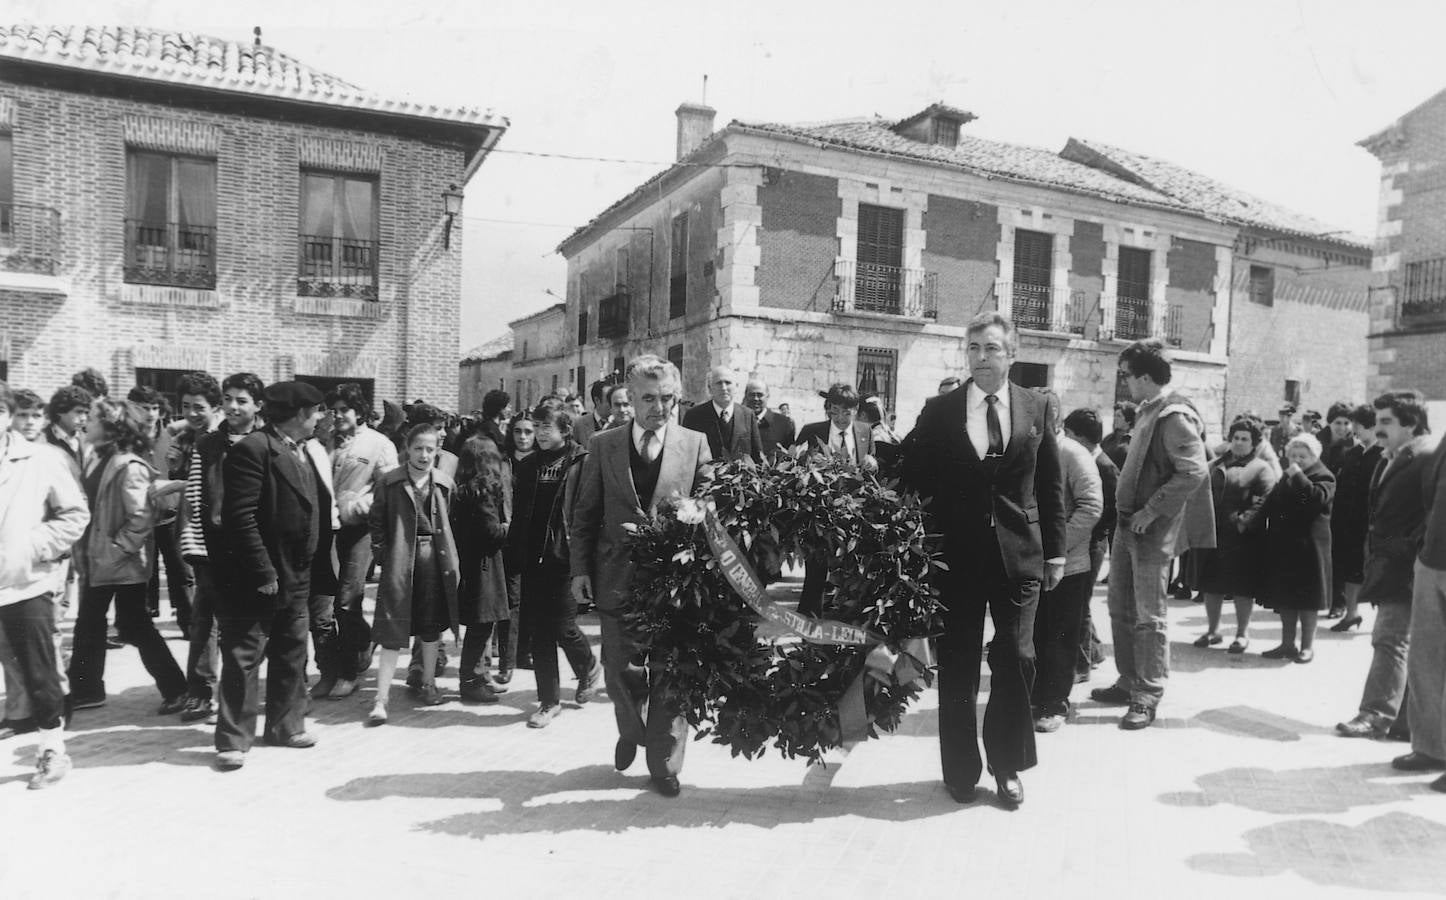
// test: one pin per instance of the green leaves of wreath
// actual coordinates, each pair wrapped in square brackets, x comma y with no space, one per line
[748,691]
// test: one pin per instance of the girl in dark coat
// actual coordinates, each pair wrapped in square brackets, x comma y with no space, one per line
[411,536]
[1351,512]
[545,486]
[1298,547]
[1239,483]
[481,512]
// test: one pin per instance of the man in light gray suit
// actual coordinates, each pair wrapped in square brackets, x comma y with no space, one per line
[627,471]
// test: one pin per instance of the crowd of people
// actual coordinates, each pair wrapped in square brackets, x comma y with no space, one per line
[269,507]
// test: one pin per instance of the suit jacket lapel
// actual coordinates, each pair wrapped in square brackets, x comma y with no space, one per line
[861,436]
[619,462]
[672,474]
[958,418]
[1022,413]
[285,463]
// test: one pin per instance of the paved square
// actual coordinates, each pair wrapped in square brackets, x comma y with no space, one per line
[1240,790]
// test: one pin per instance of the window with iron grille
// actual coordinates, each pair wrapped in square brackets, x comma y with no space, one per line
[337,236]
[877,374]
[166,382]
[1132,308]
[678,268]
[170,223]
[1425,288]
[1262,285]
[946,132]
[582,328]
[1033,275]
[880,253]
[7,185]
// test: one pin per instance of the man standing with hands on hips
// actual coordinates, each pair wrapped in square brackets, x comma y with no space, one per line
[987,457]
[627,471]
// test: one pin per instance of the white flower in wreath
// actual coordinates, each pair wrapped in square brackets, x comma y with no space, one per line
[690,511]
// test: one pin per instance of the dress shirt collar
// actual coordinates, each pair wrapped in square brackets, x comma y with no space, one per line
[720,410]
[638,435]
[977,395]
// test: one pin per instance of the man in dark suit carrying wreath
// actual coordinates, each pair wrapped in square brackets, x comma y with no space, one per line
[989,461]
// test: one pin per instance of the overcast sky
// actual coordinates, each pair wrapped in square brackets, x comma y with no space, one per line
[1269,96]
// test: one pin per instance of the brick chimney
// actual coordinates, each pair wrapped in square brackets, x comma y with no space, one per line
[695,125]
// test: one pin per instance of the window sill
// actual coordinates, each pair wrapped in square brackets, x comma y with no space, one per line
[885,316]
[33,283]
[165,295]
[338,307]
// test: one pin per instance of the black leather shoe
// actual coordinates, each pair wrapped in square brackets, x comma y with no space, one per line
[1137,716]
[623,755]
[667,785]
[962,795]
[1417,762]
[1010,789]
[1114,694]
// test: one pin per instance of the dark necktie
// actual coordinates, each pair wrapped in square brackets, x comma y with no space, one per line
[991,419]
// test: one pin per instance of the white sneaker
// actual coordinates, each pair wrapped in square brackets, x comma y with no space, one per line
[544,716]
[50,767]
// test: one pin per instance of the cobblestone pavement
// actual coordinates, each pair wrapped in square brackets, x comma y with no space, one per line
[1241,789]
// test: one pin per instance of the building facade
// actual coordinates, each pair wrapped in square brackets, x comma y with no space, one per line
[857,251]
[173,202]
[1408,293]
[484,368]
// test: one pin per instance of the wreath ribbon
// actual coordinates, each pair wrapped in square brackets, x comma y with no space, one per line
[909,665]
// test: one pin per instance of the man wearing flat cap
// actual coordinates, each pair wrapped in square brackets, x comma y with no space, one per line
[277,518]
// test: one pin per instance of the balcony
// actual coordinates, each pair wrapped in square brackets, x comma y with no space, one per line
[612,317]
[1131,319]
[1423,294]
[29,239]
[170,253]
[1045,308]
[887,290]
[337,267]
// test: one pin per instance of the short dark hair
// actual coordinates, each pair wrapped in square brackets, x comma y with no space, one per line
[495,403]
[842,393]
[1249,426]
[123,425]
[7,398]
[249,382]
[144,394]
[93,382]
[1364,415]
[420,429]
[67,398]
[1148,357]
[598,391]
[355,399]
[424,414]
[571,397]
[1127,409]
[1085,423]
[26,399]
[1339,410]
[548,414]
[200,384]
[1409,408]
[613,389]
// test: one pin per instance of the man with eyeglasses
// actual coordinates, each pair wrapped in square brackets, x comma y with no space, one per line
[627,471]
[1164,507]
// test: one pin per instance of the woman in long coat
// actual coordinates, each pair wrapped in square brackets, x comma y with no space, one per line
[412,541]
[1298,547]
[481,511]
[1351,512]
[1240,480]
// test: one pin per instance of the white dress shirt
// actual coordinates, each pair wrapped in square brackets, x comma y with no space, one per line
[723,411]
[978,423]
[638,432]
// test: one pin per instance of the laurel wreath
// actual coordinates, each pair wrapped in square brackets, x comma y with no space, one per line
[750,691]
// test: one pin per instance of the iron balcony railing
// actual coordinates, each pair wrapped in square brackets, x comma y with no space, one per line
[170,253]
[892,290]
[29,238]
[1045,308]
[1174,330]
[612,316]
[337,267]
[1132,318]
[1423,294]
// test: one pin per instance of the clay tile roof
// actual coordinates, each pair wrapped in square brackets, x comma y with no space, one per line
[490,349]
[1016,162]
[198,60]
[1204,194]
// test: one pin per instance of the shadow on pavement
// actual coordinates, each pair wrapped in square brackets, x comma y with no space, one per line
[628,803]
[1237,721]
[1391,852]
[173,743]
[1313,791]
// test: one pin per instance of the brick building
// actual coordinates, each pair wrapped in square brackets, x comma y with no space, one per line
[858,250]
[171,201]
[1408,293]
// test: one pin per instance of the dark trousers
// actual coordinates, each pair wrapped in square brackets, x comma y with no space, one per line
[551,617]
[30,628]
[512,634]
[321,621]
[976,582]
[1057,625]
[1091,649]
[204,659]
[351,654]
[815,582]
[180,580]
[473,667]
[643,704]
[256,627]
[133,624]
